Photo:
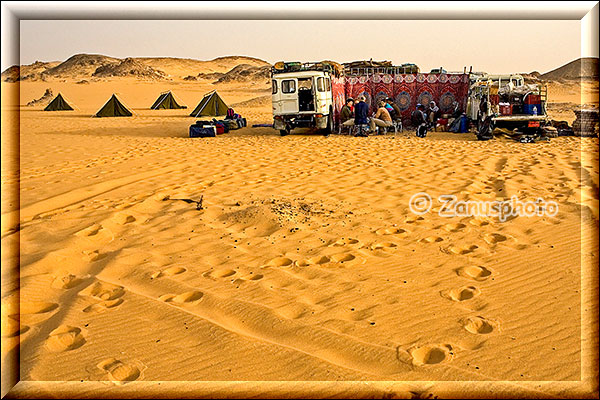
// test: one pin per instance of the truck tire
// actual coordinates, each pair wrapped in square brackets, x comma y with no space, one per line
[284,132]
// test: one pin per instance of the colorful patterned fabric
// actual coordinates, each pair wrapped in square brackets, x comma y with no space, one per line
[408,90]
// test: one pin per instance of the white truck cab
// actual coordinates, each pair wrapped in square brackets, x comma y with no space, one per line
[302,97]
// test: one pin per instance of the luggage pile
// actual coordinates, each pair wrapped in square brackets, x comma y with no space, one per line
[216,127]
[586,123]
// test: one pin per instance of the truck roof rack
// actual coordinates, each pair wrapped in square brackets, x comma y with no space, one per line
[283,67]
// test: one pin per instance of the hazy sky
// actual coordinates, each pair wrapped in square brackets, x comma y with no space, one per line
[492,46]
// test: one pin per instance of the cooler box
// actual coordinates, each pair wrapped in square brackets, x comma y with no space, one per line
[505,109]
[533,99]
[528,108]
[203,131]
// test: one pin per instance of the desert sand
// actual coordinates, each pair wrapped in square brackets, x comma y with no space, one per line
[304,262]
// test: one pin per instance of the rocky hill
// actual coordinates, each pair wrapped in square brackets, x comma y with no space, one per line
[86,66]
[128,67]
[79,66]
[582,68]
[245,73]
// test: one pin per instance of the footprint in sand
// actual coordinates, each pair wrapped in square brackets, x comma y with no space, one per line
[385,246]
[454,227]
[171,271]
[317,260]
[120,372]
[479,325]
[494,238]
[103,291]
[183,298]
[431,354]
[96,233]
[342,258]
[13,328]
[123,218]
[461,249]
[461,294]
[391,231]
[103,306]
[91,255]
[413,220]
[67,281]
[346,242]
[252,277]
[479,222]
[279,262]
[292,311]
[65,338]
[431,239]
[474,272]
[219,273]
[36,307]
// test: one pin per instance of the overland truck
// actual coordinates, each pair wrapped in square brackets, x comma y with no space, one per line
[303,96]
[507,103]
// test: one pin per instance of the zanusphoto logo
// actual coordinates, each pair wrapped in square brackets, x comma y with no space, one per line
[450,206]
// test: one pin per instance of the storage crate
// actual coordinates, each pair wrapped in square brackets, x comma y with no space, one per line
[505,109]
[533,99]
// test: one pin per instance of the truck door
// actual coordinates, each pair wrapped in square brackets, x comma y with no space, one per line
[288,98]
[324,97]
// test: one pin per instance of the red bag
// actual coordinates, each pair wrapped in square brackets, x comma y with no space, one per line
[220,129]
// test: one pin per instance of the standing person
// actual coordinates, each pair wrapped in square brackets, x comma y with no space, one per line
[346,111]
[381,118]
[418,119]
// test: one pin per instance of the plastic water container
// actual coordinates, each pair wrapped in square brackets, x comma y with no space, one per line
[535,110]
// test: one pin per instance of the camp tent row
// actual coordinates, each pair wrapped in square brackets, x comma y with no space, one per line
[211,105]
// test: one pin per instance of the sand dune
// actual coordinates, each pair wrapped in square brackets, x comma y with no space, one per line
[304,262]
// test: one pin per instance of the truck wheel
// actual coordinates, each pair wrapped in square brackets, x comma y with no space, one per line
[284,132]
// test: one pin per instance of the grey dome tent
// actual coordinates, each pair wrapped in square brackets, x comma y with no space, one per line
[58,104]
[113,108]
[211,105]
[166,101]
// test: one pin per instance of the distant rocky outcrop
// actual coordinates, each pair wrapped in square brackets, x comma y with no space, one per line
[80,65]
[42,101]
[582,68]
[190,78]
[11,74]
[245,73]
[92,67]
[128,67]
[213,76]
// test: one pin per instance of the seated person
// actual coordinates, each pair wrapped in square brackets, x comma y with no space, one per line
[432,113]
[361,112]
[396,109]
[381,118]
[419,120]
[346,111]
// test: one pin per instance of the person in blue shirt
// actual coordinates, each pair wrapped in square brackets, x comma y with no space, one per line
[361,113]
